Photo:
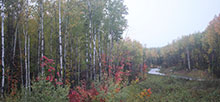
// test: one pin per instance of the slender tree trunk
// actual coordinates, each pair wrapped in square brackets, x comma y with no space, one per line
[26,62]
[26,38]
[90,57]
[142,70]
[79,67]
[15,42]
[64,56]
[110,50]
[107,54]
[3,49]
[188,58]
[94,57]
[100,56]
[42,33]
[76,60]
[56,41]
[39,51]
[87,57]
[29,63]
[51,39]
[71,63]
[90,42]
[60,42]
[22,78]
[66,38]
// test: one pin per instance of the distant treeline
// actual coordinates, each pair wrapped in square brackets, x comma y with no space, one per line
[195,51]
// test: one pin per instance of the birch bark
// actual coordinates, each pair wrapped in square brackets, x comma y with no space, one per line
[22,81]
[42,32]
[25,48]
[60,42]
[3,49]
[90,42]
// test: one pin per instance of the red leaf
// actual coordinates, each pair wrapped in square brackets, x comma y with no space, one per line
[48,78]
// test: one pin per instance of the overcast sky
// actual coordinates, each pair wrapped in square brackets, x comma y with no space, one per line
[157,22]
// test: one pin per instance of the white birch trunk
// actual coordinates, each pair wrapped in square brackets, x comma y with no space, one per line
[3,49]
[39,41]
[90,36]
[42,32]
[100,56]
[87,57]
[15,42]
[94,56]
[60,42]
[26,63]
[39,50]
[188,58]
[90,54]
[26,35]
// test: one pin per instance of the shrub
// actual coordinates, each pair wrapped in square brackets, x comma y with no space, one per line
[45,91]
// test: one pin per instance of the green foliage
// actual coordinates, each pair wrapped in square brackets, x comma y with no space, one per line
[86,25]
[42,91]
[112,94]
[167,89]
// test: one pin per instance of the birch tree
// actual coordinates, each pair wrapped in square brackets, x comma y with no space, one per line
[26,60]
[60,41]
[90,41]
[94,56]
[39,39]
[21,63]
[87,57]
[15,41]
[25,48]
[42,30]
[100,56]
[3,47]
[188,58]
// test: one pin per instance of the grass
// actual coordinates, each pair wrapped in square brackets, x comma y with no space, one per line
[181,72]
[167,89]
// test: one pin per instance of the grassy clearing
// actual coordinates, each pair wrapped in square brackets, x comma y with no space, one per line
[181,72]
[167,89]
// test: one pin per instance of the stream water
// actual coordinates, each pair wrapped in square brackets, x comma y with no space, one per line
[156,71]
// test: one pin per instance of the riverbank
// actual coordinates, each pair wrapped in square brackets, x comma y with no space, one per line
[168,89]
[195,73]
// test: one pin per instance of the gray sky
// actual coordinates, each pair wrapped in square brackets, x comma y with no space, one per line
[157,22]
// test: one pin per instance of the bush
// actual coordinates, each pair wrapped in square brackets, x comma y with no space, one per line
[43,91]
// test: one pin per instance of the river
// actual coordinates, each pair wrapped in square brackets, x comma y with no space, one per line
[155,71]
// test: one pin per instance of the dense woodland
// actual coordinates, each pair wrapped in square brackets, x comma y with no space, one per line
[195,51]
[76,43]
[79,39]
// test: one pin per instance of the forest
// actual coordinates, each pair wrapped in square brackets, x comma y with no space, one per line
[66,43]
[195,51]
[74,51]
